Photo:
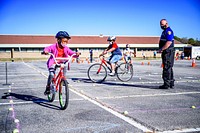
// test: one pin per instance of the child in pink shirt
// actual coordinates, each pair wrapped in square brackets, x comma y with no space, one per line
[59,49]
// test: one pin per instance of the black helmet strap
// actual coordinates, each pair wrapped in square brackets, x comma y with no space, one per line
[59,40]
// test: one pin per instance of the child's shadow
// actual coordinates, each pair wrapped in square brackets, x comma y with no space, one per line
[34,99]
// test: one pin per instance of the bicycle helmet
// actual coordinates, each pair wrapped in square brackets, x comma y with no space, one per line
[127,46]
[62,34]
[111,38]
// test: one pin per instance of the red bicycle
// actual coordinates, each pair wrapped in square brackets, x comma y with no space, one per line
[98,71]
[59,82]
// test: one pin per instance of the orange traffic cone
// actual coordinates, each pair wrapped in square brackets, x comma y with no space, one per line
[162,65]
[193,63]
[73,60]
[148,63]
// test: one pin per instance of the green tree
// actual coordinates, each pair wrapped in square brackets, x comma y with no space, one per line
[197,42]
[184,40]
[191,41]
[188,41]
[177,38]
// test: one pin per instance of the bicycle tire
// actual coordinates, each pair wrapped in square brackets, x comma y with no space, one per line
[52,94]
[124,72]
[63,94]
[94,75]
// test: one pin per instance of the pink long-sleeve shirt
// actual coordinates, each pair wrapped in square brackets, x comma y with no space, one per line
[54,50]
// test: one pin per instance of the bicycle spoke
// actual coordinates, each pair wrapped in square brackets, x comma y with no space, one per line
[125,72]
[63,94]
[97,73]
[51,96]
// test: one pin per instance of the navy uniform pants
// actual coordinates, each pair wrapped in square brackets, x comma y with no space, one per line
[168,63]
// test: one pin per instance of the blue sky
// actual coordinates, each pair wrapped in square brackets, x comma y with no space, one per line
[94,17]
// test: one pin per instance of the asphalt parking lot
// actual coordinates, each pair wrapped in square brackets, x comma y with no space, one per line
[99,108]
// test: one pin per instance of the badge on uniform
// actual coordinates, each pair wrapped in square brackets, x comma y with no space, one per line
[169,32]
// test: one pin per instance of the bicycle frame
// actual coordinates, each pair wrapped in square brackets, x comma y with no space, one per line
[107,64]
[97,72]
[104,62]
[57,78]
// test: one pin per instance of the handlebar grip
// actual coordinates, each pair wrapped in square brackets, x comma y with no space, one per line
[42,52]
[101,55]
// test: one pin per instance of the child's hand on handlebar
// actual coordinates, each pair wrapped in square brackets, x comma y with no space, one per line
[78,53]
[105,52]
[159,51]
[44,52]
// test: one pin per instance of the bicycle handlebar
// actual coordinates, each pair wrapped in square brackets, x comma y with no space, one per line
[101,56]
[60,58]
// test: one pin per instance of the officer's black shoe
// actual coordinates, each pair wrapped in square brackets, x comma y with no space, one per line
[163,87]
[172,86]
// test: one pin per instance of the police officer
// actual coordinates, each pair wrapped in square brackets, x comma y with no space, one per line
[166,47]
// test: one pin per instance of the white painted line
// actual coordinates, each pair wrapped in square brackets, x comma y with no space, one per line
[189,77]
[16,75]
[38,101]
[151,95]
[4,88]
[127,119]
[37,70]
[182,130]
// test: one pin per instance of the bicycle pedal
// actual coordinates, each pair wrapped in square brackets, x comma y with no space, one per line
[45,93]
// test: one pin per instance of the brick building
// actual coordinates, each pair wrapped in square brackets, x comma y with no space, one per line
[31,45]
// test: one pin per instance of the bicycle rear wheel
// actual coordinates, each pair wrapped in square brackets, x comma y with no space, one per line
[97,73]
[52,94]
[63,94]
[125,72]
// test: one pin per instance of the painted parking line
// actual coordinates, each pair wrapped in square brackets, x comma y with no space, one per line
[37,101]
[189,130]
[118,114]
[151,95]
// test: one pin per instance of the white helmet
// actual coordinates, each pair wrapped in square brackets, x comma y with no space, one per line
[111,38]
[127,46]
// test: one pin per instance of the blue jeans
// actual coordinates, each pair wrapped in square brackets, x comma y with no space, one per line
[114,58]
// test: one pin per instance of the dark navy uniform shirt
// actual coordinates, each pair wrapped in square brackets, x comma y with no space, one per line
[167,35]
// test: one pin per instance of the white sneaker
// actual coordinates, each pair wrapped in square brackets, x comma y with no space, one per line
[111,74]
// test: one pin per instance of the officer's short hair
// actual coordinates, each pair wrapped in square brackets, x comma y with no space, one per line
[163,20]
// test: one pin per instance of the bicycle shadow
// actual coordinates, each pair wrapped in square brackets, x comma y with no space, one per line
[85,80]
[34,99]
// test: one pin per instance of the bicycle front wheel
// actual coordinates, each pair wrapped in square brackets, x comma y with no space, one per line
[63,94]
[52,94]
[125,72]
[97,73]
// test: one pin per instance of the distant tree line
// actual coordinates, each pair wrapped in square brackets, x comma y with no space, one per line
[185,40]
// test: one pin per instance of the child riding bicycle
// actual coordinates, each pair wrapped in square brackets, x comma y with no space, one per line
[59,49]
[116,54]
[128,53]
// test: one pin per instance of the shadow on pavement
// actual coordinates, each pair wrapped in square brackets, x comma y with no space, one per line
[85,80]
[34,99]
